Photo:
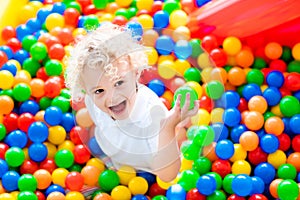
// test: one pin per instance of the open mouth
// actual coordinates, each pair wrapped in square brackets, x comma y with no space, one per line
[119,108]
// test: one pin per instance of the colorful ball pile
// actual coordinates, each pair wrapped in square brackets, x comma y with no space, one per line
[243,143]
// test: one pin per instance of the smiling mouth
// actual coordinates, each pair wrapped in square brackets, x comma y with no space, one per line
[118,109]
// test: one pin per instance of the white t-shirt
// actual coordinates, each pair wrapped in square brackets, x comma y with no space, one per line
[132,141]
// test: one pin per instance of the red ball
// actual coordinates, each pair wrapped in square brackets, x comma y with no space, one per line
[81,154]
[28,167]
[296,143]
[209,42]
[8,32]
[257,156]
[48,164]
[74,181]
[71,16]
[195,195]
[235,197]
[206,103]
[40,195]
[284,91]
[143,11]
[119,20]
[222,167]
[51,40]
[155,190]
[77,133]
[3,148]
[284,141]
[279,65]
[90,9]
[166,103]
[52,88]
[266,72]
[25,120]
[218,56]
[292,81]
[84,3]
[65,36]
[56,51]
[3,58]
[14,44]
[10,122]
[243,105]
[41,74]
[258,197]
[156,6]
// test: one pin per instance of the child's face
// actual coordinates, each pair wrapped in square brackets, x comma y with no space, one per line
[116,97]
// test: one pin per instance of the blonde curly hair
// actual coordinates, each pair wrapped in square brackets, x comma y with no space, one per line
[98,49]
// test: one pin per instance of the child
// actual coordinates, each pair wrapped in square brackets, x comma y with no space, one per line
[132,125]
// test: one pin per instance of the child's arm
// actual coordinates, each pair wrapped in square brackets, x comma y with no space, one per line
[168,158]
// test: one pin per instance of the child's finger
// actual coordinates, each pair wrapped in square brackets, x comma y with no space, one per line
[177,103]
[186,105]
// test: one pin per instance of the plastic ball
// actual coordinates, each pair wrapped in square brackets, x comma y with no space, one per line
[161,19]
[244,58]
[183,92]
[138,185]
[37,152]
[182,49]
[218,56]
[74,181]
[231,117]
[273,50]
[206,185]
[255,76]
[120,192]
[21,92]
[27,195]
[287,189]
[7,79]
[90,175]
[188,179]
[214,89]
[275,79]
[265,171]
[54,20]
[157,86]
[54,188]
[43,178]
[14,156]
[232,45]
[38,132]
[53,67]
[38,51]
[236,76]
[59,176]
[6,104]
[272,96]
[108,180]
[57,134]
[64,158]
[242,185]
[289,106]
[27,182]
[222,167]
[277,158]
[56,196]
[83,118]
[249,140]
[74,195]
[4,167]
[192,74]
[257,103]
[287,171]
[81,154]
[164,45]
[254,120]
[224,149]
[10,181]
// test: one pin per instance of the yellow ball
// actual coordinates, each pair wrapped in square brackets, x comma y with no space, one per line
[186,164]
[107,17]
[166,69]
[6,79]
[263,87]
[168,95]
[36,5]
[217,115]
[144,4]
[16,63]
[7,196]
[296,51]
[206,74]
[51,149]
[146,21]
[15,194]
[67,144]
[79,31]
[181,66]
[178,18]
[25,13]
[25,150]
[96,162]
[201,118]
[241,167]
[231,60]
[163,58]
[165,185]
[121,193]
[276,111]
[138,185]
[57,135]
[239,153]
[22,76]
[152,55]
[277,158]
[196,86]
[232,45]
[203,61]
[74,195]
[123,3]
[54,20]
[126,173]
[59,176]
[181,33]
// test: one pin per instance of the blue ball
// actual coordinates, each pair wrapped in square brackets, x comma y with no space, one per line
[251,90]
[42,14]
[9,67]
[54,188]
[68,121]
[8,51]
[37,152]
[298,177]
[182,49]
[161,19]
[29,106]
[265,171]
[38,33]
[95,148]
[297,94]
[136,29]
[16,138]
[231,117]
[53,115]
[269,143]
[200,3]
[157,86]
[261,132]
[275,78]
[176,192]
[34,24]
[272,96]
[3,167]
[242,185]
[10,181]
[59,8]
[38,132]
[236,132]
[258,185]
[22,31]
[81,21]
[221,131]
[224,149]
[294,124]
[164,45]
[150,178]
[287,129]
[231,99]
[206,185]
[139,197]
[21,55]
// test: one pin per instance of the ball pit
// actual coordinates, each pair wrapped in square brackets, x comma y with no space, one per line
[242,144]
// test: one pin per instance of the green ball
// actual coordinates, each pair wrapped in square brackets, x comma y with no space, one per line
[31,65]
[289,106]
[7,92]
[227,68]
[132,12]
[21,92]
[100,4]
[75,168]
[191,132]
[123,12]
[27,195]
[214,89]
[91,22]
[217,195]
[183,91]
[227,183]
[202,165]
[45,102]
[294,66]
[170,5]
[64,158]
[240,90]
[287,171]
[95,193]
[75,5]
[288,189]
[65,93]
[259,63]
[53,68]
[268,114]
[108,180]
[196,47]
[192,74]
[62,103]
[218,179]
[188,179]
[189,150]
[204,136]
[27,182]
[159,197]
[286,55]
[67,1]
[38,51]
[28,41]
[2,132]
[14,157]
[255,76]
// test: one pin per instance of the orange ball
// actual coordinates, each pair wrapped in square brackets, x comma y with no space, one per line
[219,74]
[37,87]
[209,152]
[273,187]
[273,50]
[90,175]
[6,104]
[258,103]
[294,159]
[274,125]
[254,120]
[236,76]
[103,196]
[56,196]
[43,178]
[244,58]
[249,140]
[83,118]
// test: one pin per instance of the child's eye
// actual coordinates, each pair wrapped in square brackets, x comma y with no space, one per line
[99,91]
[118,83]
